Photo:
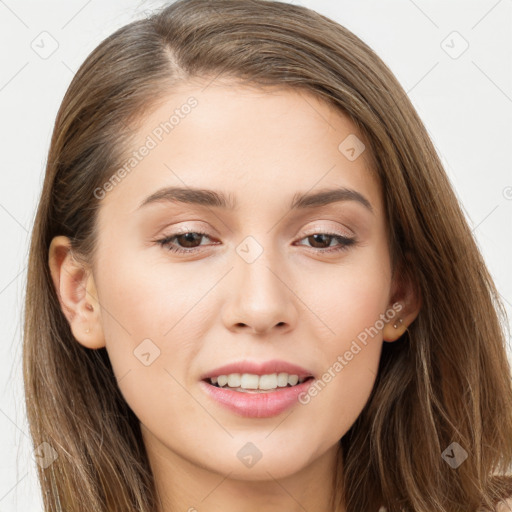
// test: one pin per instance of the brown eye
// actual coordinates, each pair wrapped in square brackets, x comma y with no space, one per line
[187,242]
[322,241]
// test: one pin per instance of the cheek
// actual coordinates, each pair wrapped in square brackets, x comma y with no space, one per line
[350,297]
[146,297]
[351,359]
[350,305]
[154,316]
[144,312]
[149,337]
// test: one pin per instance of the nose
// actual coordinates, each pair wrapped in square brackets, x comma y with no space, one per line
[261,300]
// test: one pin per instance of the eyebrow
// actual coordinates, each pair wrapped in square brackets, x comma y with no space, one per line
[217,199]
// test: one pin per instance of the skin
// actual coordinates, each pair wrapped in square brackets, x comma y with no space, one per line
[294,302]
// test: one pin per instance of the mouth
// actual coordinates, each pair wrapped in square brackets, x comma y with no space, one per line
[253,383]
[256,396]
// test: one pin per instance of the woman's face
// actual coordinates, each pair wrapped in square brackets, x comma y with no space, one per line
[264,281]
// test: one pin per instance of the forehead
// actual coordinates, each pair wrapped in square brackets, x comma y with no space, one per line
[257,145]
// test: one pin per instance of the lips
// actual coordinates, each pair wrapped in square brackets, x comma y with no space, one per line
[259,368]
[256,405]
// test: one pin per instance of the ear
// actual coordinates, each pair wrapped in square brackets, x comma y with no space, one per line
[76,291]
[406,298]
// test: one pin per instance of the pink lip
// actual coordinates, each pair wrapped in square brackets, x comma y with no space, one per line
[256,405]
[263,368]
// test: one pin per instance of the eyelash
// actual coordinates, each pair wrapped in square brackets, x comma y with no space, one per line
[344,241]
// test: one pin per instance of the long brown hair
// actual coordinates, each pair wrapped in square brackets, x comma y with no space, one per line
[447,380]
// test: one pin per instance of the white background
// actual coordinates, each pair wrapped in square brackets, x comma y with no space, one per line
[465,103]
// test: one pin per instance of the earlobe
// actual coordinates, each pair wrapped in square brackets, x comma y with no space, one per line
[394,329]
[408,295]
[76,291]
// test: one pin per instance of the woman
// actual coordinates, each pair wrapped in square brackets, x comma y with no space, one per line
[251,285]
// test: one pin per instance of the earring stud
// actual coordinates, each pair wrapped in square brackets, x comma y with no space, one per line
[395,325]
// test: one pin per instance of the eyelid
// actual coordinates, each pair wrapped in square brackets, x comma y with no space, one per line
[315,228]
[187,228]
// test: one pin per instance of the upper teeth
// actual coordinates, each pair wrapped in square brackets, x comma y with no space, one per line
[251,381]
